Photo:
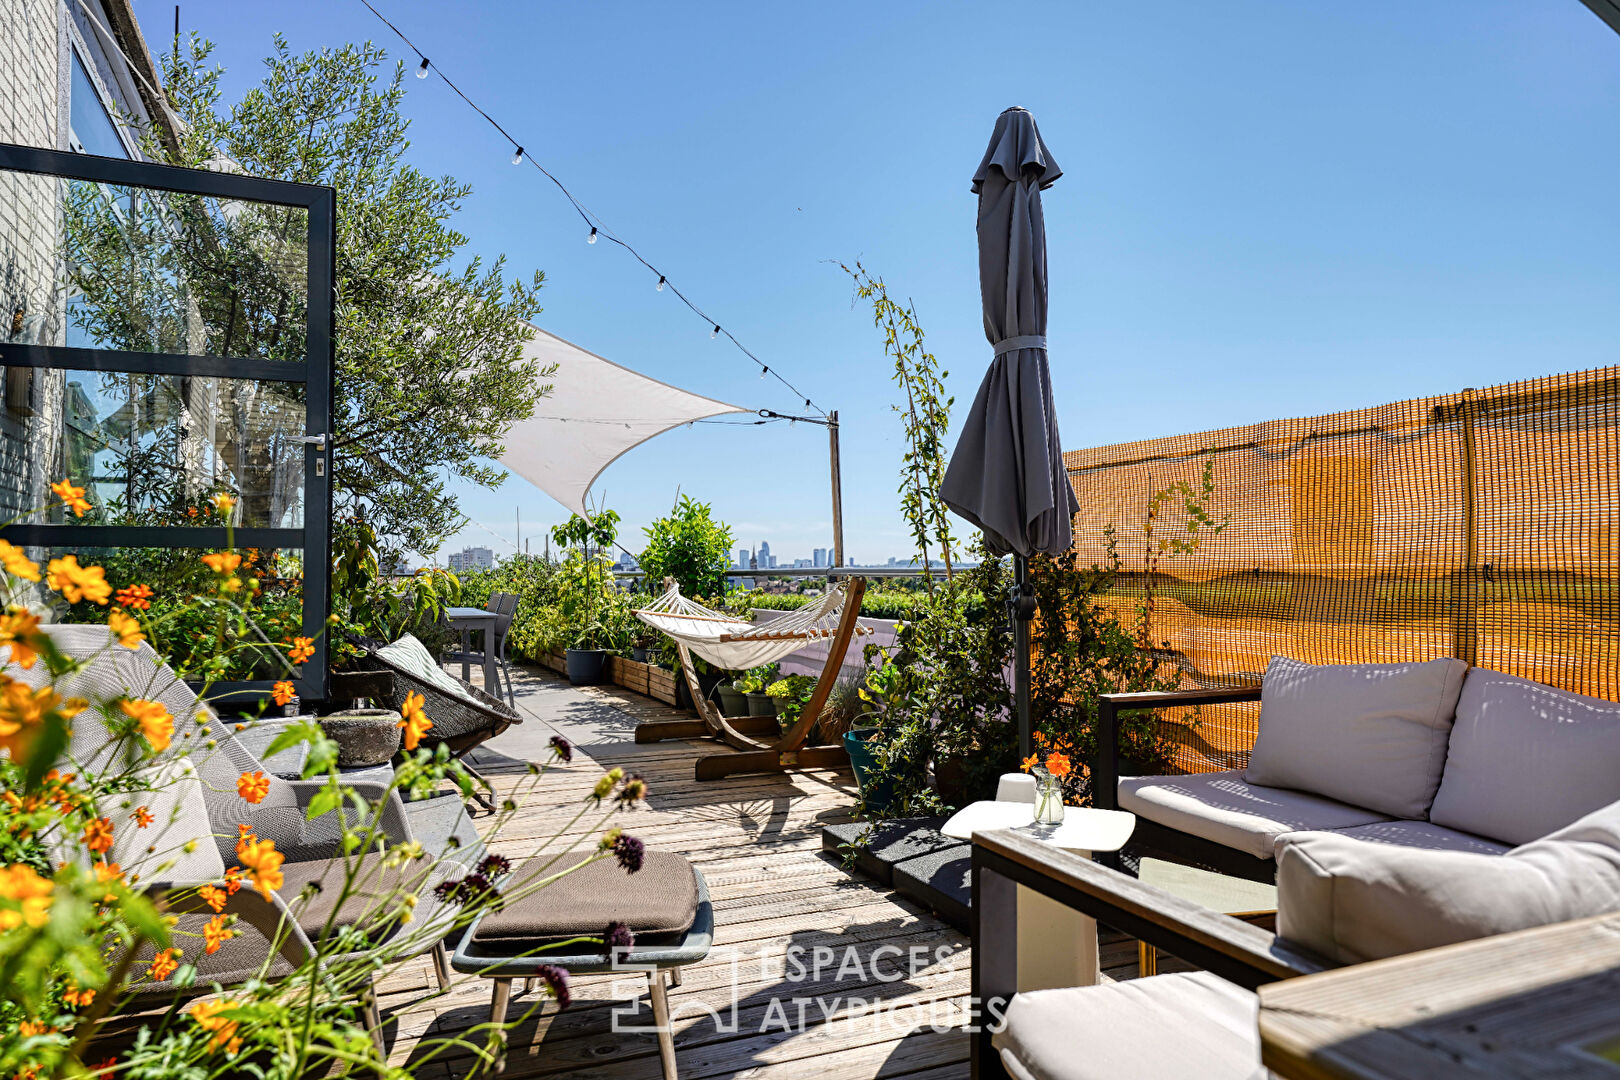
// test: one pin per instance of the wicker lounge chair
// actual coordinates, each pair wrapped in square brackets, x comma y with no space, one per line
[463,716]
[201,784]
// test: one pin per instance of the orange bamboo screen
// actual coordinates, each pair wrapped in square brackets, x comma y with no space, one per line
[1483,525]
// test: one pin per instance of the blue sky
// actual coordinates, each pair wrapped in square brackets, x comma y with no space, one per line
[1268,208]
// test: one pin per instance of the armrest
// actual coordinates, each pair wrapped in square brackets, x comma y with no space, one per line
[271,917]
[1105,770]
[326,830]
[1234,950]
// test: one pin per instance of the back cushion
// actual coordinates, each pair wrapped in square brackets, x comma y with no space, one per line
[1372,735]
[1526,759]
[1355,900]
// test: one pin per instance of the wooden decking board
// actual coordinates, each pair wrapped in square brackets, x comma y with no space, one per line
[758,841]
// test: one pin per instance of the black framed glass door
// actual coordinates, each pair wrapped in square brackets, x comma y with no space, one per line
[166,337]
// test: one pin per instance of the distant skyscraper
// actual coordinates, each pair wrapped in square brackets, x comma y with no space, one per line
[772,560]
[765,554]
[742,558]
[818,558]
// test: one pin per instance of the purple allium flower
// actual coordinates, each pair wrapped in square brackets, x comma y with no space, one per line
[630,852]
[495,866]
[446,890]
[617,936]
[472,889]
[556,980]
[562,748]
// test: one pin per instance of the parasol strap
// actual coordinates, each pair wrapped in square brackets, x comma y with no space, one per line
[1023,341]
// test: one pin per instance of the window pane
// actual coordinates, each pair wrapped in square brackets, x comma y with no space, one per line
[93,129]
[116,267]
[154,449]
[185,632]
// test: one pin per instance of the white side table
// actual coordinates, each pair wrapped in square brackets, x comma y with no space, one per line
[1057,946]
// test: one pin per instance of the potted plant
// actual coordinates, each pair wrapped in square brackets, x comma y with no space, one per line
[641,648]
[584,594]
[753,684]
[733,699]
[790,695]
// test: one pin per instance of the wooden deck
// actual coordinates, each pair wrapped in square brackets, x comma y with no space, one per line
[757,841]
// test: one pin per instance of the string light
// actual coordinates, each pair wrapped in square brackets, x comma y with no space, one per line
[592,238]
[580,208]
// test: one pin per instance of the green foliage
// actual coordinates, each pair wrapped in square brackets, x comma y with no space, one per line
[367,604]
[927,416]
[755,680]
[878,603]
[429,366]
[691,547]
[537,624]
[1197,524]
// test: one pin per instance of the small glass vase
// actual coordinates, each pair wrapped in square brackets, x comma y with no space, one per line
[1048,798]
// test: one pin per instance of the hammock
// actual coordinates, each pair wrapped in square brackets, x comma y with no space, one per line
[736,644]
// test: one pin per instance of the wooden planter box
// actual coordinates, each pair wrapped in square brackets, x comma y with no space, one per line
[628,674]
[555,661]
[660,684]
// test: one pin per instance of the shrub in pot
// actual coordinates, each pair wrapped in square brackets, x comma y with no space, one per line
[752,684]
[733,702]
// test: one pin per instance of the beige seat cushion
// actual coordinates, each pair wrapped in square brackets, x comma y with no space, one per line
[660,898]
[1413,834]
[1225,808]
[1354,900]
[1371,735]
[377,888]
[1526,759]
[1188,1026]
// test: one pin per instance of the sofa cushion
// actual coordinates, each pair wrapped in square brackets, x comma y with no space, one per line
[1224,808]
[660,898]
[1354,900]
[1413,834]
[1371,735]
[1526,759]
[1117,1031]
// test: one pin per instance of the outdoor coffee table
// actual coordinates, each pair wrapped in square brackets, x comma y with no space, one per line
[465,620]
[1057,946]
[1238,897]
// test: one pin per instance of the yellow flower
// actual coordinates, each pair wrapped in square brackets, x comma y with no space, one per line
[283,692]
[207,1015]
[301,649]
[16,563]
[20,885]
[415,721]
[126,628]
[263,863]
[253,786]
[224,504]
[154,720]
[72,497]
[19,628]
[1029,763]
[76,582]
[223,562]
[98,835]
[23,712]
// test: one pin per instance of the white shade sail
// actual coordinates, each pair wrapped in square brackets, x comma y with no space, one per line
[595,413]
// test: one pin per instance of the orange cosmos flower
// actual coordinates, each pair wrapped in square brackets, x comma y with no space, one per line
[98,835]
[301,649]
[233,879]
[1057,764]
[106,874]
[76,582]
[19,628]
[207,1015]
[125,628]
[253,786]
[24,711]
[1029,763]
[164,964]
[72,497]
[223,562]
[415,721]
[215,898]
[224,504]
[20,885]
[142,817]
[75,998]
[215,934]
[16,563]
[282,692]
[263,863]
[135,597]
[154,720]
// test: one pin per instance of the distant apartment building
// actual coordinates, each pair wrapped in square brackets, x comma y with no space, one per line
[473,558]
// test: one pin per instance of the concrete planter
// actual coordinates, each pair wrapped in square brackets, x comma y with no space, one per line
[365,737]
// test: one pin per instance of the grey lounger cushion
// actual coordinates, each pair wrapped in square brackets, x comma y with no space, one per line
[1413,834]
[1371,735]
[1224,808]
[1189,1026]
[660,898]
[1352,900]
[1526,759]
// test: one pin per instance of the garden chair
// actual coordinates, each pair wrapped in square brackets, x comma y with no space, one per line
[504,606]
[463,716]
[732,643]
[196,782]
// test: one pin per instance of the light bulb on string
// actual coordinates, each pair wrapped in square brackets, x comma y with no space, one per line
[422,69]
[591,239]
[660,282]
[715,332]
[764,371]
[517,158]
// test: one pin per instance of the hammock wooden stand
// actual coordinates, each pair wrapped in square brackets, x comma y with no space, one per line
[759,754]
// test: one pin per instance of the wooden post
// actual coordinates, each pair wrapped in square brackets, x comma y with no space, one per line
[837,491]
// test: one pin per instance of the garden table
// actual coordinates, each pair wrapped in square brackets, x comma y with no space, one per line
[1057,945]
[467,620]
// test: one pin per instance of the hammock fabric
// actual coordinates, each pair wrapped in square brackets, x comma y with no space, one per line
[736,644]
